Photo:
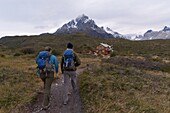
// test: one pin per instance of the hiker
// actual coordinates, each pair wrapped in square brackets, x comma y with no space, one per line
[47,66]
[69,62]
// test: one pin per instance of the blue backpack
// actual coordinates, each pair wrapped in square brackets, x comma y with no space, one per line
[69,59]
[41,59]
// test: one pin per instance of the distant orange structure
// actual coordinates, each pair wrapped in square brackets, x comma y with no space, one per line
[103,49]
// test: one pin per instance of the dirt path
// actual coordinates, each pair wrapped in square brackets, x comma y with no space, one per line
[56,104]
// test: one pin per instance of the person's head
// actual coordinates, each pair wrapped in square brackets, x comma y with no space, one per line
[70,46]
[49,49]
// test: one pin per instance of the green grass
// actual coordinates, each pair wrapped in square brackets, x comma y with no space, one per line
[108,88]
[18,83]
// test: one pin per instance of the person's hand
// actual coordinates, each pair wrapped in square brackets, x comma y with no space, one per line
[57,76]
[40,71]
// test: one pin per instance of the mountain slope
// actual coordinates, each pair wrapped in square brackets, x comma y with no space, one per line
[88,26]
[150,35]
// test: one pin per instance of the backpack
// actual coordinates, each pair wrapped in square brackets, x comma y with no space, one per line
[43,61]
[48,66]
[69,62]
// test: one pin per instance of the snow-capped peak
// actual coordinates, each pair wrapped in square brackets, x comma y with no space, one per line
[166,29]
[149,31]
[83,24]
[108,30]
[82,18]
[150,35]
[71,24]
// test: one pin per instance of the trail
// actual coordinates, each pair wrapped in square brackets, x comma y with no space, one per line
[56,103]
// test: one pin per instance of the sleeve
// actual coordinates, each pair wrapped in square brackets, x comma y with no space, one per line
[56,64]
[77,60]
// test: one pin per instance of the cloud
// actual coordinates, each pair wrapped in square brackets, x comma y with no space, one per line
[41,27]
[127,17]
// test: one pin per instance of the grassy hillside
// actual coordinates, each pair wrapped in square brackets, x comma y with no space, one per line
[84,43]
[135,79]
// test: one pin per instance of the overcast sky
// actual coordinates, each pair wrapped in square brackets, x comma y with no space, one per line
[26,17]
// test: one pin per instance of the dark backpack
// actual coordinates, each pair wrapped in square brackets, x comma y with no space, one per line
[42,60]
[69,62]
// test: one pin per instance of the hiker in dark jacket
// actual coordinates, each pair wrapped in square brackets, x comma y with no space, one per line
[69,62]
[47,75]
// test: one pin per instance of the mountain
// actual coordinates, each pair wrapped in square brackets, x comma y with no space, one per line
[84,24]
[150,34]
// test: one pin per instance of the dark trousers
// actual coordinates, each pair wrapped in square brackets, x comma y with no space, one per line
[47,78]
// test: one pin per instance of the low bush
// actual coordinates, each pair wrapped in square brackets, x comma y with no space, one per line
[28,50]
[113,54]
[57,53]
[2,55]
[18,54]
[137,63]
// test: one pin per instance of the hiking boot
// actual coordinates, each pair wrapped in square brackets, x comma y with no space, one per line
[46,107]
[65,102]
[69,93]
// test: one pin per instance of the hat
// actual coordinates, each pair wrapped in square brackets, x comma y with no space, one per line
[70,45]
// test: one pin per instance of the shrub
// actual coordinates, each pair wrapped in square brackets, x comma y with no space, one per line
[28,50]
[137,63]
[17,54]
[2,55]
[113,54]
[55,52]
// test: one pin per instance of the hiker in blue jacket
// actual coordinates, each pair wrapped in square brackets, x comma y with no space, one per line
[46,72]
